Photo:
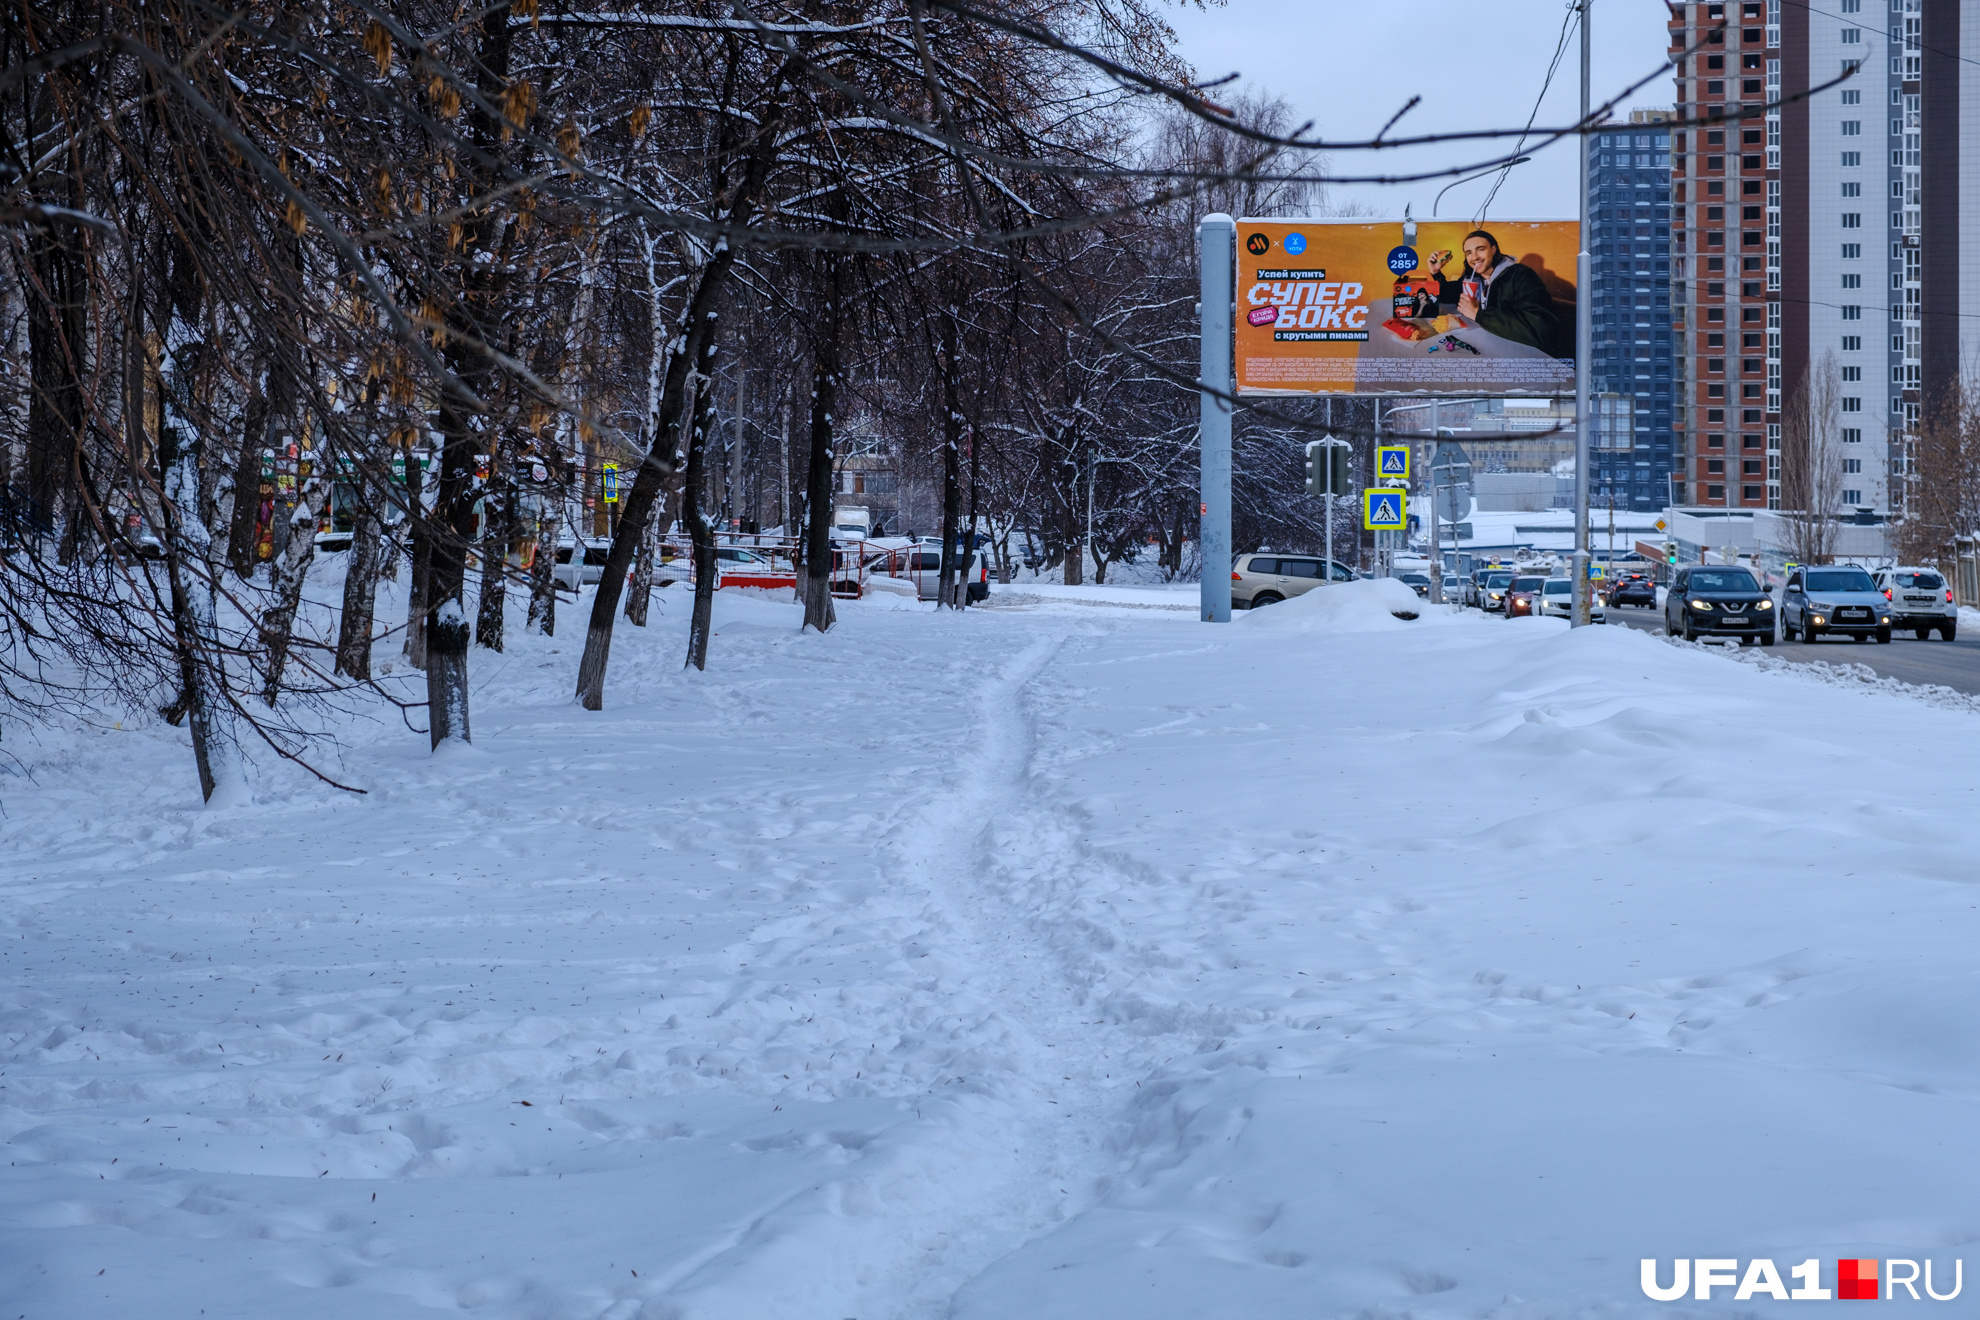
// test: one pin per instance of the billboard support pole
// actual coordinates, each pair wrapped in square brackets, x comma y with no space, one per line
[1216,243]
[1436,534]
[1583,357]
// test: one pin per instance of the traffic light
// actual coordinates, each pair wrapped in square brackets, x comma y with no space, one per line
[1327,468]
[1671,552]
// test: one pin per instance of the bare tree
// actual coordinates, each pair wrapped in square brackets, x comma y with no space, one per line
[1811,461]
[1945,493]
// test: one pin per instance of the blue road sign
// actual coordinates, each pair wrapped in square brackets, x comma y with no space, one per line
[1392,461]
[1383,509]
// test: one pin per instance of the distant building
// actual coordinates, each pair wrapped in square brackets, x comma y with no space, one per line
[1633,444]
[1498,435]
[1801,231]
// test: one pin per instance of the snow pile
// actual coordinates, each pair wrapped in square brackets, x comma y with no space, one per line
[1360,606]
[1014,963]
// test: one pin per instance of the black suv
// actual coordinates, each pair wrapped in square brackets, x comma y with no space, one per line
[1725,602]
[1633,589]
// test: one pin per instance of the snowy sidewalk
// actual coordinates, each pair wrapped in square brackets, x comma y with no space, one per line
[1036,962]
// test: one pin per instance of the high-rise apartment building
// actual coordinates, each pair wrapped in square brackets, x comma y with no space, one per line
[1798,242]
[1629,207]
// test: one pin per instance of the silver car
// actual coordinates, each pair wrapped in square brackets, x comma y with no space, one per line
[1557,600]
[1268,579]
[1842,599]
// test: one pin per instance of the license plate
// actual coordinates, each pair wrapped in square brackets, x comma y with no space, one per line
[1735,618]
[1920,600]
[1852,614]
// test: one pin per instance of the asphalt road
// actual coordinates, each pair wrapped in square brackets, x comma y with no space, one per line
[1947,664]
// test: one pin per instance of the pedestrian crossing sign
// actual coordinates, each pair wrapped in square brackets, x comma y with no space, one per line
[611,483]
[1383,509]
[1392,461]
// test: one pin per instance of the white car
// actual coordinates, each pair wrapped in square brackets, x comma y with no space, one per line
[1557,600]
[1920,600]
[589,567]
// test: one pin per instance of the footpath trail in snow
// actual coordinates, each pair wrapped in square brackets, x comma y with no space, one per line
[1066,958]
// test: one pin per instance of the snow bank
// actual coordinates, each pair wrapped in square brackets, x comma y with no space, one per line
[1043,962]
[1360,606]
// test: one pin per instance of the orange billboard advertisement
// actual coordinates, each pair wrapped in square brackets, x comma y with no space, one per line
[1353,307]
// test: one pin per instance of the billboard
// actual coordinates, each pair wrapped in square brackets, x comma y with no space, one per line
[1351,307]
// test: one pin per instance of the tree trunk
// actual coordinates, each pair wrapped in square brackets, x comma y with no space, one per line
[278,621]
[543,576]
[639,593]
[57,342]
[247,481]
[447,673]
[450,530]
[360,589]
[694,494]
[738,438]
[969,535]
[1069,534]
[195,627]
[421,553]
[498,500]
[817,579]
[945,590]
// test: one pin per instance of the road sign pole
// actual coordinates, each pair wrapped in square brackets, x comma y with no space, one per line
[1584,352]
[1216,238]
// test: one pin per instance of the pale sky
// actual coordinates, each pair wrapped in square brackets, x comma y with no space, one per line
[1350,64]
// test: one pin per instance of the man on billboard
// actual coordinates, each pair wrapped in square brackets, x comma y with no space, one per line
[1498,293]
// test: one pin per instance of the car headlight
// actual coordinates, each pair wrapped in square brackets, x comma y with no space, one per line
[1819,620]
[1764,605]
[1885,619]
[1701,605]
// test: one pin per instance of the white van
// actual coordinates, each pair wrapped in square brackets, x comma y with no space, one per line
[852,524]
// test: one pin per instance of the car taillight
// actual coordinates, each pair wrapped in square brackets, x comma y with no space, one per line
[1887,593]
[1237,577]
[1949,595]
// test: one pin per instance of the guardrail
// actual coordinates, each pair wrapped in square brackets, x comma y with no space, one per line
[745,559]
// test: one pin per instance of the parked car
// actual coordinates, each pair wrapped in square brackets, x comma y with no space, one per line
[1632,589]
[1522,595]
[1705,600]
[588,568]
[1842,599]
[1557,601]
[1417,582]
[1489,593]
[1268,579]
[1920,600]
[925,564]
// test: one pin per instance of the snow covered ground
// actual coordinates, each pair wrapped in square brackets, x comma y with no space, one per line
[1058,959]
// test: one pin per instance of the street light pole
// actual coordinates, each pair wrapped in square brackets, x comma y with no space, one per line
[1584,351]
[1216,238]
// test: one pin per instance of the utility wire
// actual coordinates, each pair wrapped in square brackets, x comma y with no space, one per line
[1568,24]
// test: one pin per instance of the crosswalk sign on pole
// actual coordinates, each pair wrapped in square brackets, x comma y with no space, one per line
[1392,461]
[611,483]
[1383,509]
